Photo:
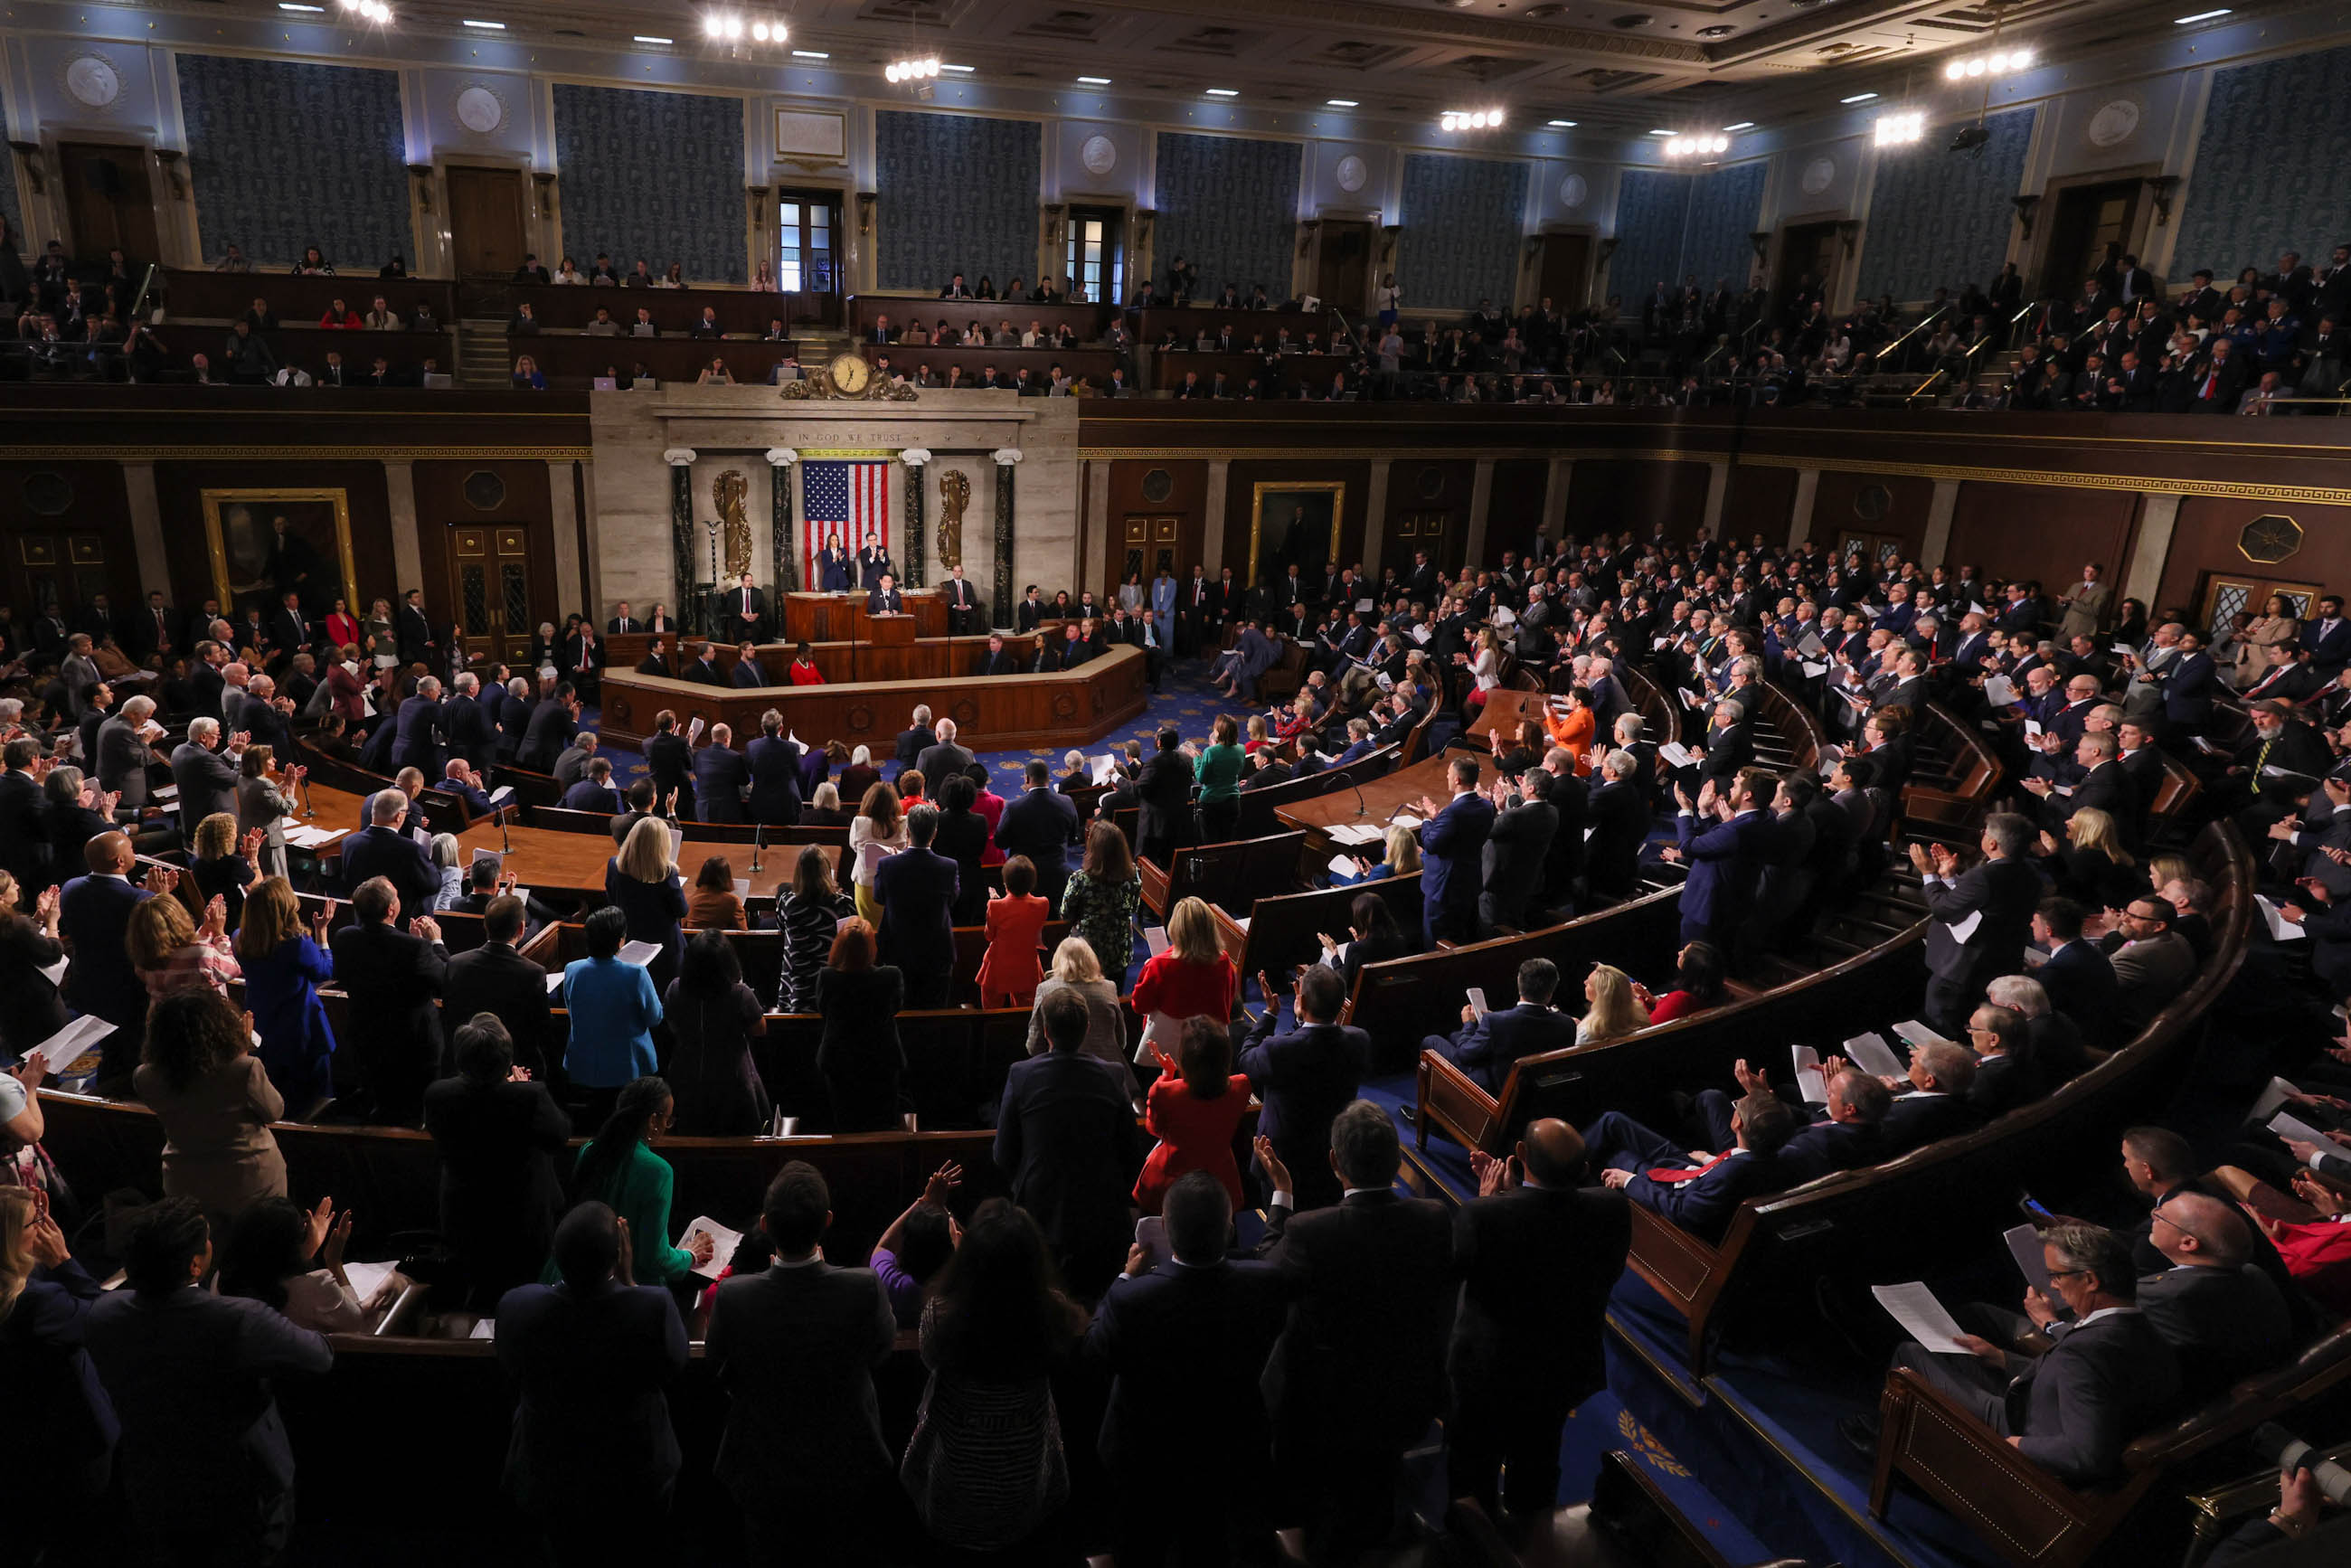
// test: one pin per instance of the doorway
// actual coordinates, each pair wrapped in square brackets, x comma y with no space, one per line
[1565,272]
[490,568]
[485,221]
[1147,541]
[1094,254]
[2093,228]
[808,228]
[1808,259]
[2225,593]
[109,202]
[1342,275]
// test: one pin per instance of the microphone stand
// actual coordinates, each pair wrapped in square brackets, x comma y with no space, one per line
[758,842]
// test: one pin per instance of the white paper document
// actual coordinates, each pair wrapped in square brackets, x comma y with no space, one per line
[1913,1032]
[368,1280]
[2290,1126]
[1998,690]
[1403,820]
[1357,833]
[60,1050]
[1961,930]
[1676,755]
[1810,1084]
[2276,1095]
[1155,937]
[1814,672]
[2024,1246]
[694,730]
[501,795]
[2281,928]
[55,973]
[722,1250]
[554,982]
[1914,1306]
[483,1328]
[313,838]
[1362,607]
[2032,729]
[1104,768]
[1343,866]
[639,953]
[677,842]
[1478,1000]
[1873,1056]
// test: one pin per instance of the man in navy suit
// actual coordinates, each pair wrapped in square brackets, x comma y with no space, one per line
[380,849]
[774,764]
[2326,639]
[1452,846]
[1495,1039]
[1696,1192]
[595,792]
[1725,860]
[1066,1140]
[459,778]
[93,914]
[1183,1342]
[2078,975]
[553,725]
[999,661]
[748,671]
[418,744]
[2188,682]
[884,599]
[1981,917]
[1930,1101]
[721,776]
[963,603]
[467,723]
[1306,1076]
[916,888]
[1042,823]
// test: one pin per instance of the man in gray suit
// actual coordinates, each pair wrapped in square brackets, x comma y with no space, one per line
[797,1345]
[79,672]
[206,777]
[2152,962]
[945,756]
[123,751]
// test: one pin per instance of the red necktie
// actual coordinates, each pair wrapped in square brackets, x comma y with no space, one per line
[1670,1174]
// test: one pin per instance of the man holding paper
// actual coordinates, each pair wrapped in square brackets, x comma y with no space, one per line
[1981,916]
[1491,1042]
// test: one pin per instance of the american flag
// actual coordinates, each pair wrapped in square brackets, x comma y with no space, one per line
[847,497]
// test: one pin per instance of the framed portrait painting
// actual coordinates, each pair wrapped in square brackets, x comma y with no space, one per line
[1294,523]
[265,544]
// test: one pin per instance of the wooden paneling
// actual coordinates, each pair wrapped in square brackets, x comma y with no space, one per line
[1088,321]
[66,531]
[1635,492]
[1312,372]
[1132,483]
[179,488]
[1189,322]
[1760,501]
[2027,530]
[1845,500]
[1094,364]
[1514,510]
[108,201]
[571,362]
[1244,475]
[448,494]
[2205,541]
[1428,509]
[225,296]
[485,221]
[566,306]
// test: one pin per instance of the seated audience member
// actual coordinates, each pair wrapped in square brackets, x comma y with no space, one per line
[205,1469]
[1403,859]
[1612,1011]
[712,903]
[1699,984]
[199,1074]
[917,1244]
[595,792]
[2078,975]
[2309,1225]
[613,1008]
[1193,1108]
[1696,1191]
[497,979]
[860,1056]
[1009,970]
[618,1169]
[2105,1381]
[291,1259]
[1373,937]
[795,1345]
[595,1459]
[1184,1341]
[1065,1139]
[2152,963]
[1494,1040]
[2007,1075]
[1537,1252]
[1359,1374]
[1305,1076]
[714,1017]
[46,1299]
[499,1135]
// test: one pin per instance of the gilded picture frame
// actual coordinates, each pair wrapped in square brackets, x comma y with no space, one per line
[1289,516]
[238,529]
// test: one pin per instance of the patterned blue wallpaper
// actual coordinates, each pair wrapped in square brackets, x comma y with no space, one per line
[1462,220]
[1652,212]
[284,154]
[1725,204]
[2270,173]
[1937,220]
[652,176]
[959,194]
[1229,207]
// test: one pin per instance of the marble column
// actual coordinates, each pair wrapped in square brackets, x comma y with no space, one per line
[147,527]
[2159,515]
[1212,533]
[1006,460]
[1375,520]
[687,606]
[1718,492]
[407,559]
[562,492]
[918,546]
[1555,503]
[783,552]
[1482,507]
[1800,516]
[1940,508]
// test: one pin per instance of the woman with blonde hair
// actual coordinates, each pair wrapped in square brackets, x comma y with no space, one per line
[1612,1011]
[222,862]
[641,883]
[1076,969]
[875,833]
[2091,867]
[284,967]
[170,954]
[1194,977]
[1403,859]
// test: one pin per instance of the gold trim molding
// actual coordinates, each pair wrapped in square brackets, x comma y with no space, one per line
[451,451]
[2309,494]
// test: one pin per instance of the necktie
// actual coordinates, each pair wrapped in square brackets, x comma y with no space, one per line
[1671,1174]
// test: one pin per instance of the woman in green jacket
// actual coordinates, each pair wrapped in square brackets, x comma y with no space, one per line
[617,1169]
[1220,784]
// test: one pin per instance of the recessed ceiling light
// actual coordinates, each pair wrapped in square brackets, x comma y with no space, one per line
[1338,103]
[2201,16]
[1859,98]
[651,38]
[290,5]
[1665,133]
[1561,124]
[1224,92]
[1095,81]
[1742,125]
[810,55]
[486,26]
[960,70]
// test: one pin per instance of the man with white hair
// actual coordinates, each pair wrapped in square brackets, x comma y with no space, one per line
[2052,1040]
[380,849]
[460,779]
[125,747]
[937,761]
[207,780]
[235,677]
[514,718]
[269,718]
[471,733]
[572,766]
[418,744]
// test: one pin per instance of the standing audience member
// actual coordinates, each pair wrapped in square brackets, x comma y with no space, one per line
[44,1304]
[916,889]
[497,979]
[877,831]
[1075,970]
[618,1169]
[268,1258]
[858,1055]
[641,883]
[31,1009]
[1305,1076]
[200,1077]
[1101,900]
[613,1009]
[283,969]
[1067,1142]
[392,977]
[714,1017]
[1009,970]
[809,916]
[1194,977]
[499,1135]
[1194,1109]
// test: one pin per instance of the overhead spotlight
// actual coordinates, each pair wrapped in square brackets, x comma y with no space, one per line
[921,69]
[1742,125]
[1901,130]
[1222,91]
[1998,63]
[1469,120]
[1704,146]
[1859,98]
[1971,140]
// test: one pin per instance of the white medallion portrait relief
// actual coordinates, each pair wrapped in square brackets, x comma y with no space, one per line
[1818,175]
[91,81]
[1352,173]
[1572,191]
[2113,123]
[1099,155]
[479,109]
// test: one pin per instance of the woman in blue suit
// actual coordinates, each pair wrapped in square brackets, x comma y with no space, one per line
[833,567]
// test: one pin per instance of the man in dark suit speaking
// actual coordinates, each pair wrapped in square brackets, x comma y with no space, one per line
[885,599]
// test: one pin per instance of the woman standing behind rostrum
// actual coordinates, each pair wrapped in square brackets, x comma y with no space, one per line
[986,1469]
[860,1054]
[199,1077]
[619,1170]
[716,1016]
[283,971]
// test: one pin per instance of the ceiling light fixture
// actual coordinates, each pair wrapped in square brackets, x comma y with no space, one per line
[2201,16]
[485,26]
[1470,119]
[1859,98]
[960,70]
[1338,103]
[914,70]
[1665,133]
[1742,125]
[2000,62]
[1698,146]
[290,5]
[1224,92]
[651,38]
[1561,124]
[1901,130]
[810,55]
[1094,81]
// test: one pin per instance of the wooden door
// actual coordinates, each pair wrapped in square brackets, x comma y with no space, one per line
[1566,270]
[1146,542]
[2225,593]
[1806,251]
[1343,271]
[108,201]
[61,571]
[485,221]
[490,568]
[2093,221]
[1410,532]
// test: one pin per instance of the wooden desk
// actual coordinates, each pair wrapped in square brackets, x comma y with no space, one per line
[1381,799]
[1505,706]
[842,617]
[1069,708]
[936,658]
[741,313]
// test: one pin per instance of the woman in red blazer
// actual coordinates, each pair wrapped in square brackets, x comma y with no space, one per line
[1194,1110]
